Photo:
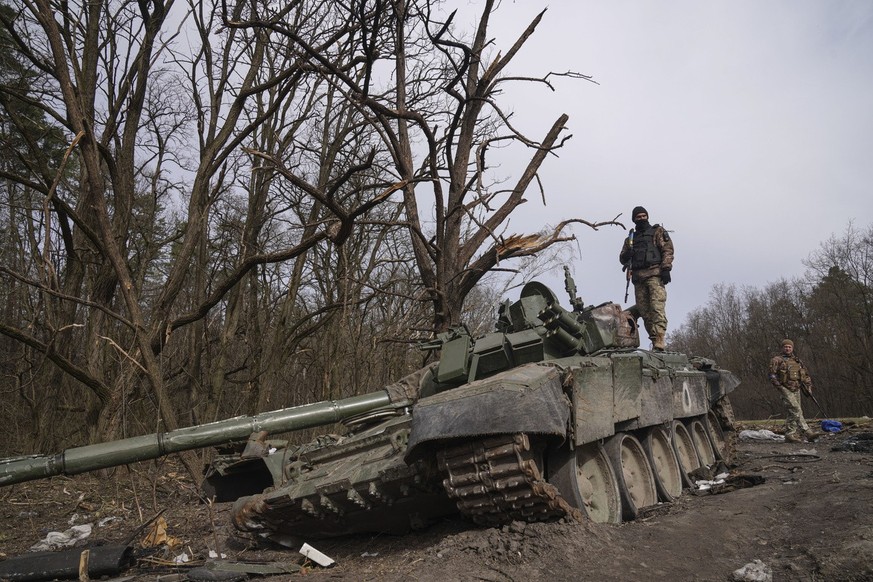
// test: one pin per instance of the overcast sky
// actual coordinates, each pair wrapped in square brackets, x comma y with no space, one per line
[745,127]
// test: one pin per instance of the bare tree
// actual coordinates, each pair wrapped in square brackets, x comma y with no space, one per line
[828,313]
[132,286]
[841,318]
[439,118]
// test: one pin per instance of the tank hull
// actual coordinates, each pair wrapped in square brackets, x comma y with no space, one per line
[503,448]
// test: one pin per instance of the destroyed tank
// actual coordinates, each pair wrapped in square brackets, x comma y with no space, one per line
[557,414]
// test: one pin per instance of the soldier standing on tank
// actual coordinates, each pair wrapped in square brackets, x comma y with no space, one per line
[648,254]
[789,375]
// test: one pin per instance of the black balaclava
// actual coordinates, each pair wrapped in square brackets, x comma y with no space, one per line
[642,224]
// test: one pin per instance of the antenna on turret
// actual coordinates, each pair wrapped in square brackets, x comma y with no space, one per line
[570,286]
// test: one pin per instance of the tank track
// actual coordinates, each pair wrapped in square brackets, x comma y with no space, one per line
[497,480]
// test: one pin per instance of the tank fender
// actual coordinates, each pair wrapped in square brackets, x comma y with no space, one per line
[528,399]
[721,383]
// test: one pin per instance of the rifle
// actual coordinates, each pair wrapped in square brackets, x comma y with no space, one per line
[627,268]
[808,392]
[627,271]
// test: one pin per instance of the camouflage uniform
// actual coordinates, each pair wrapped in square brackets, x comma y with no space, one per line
[789,375]
[647,265]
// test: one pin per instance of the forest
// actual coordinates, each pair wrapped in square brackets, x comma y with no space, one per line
[212,209]
[828,313]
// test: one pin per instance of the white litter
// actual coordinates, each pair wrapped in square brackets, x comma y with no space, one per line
[213,554]
[316,556]
[56,540]
[707,485]
[181,559]
[756,571]
[761,435]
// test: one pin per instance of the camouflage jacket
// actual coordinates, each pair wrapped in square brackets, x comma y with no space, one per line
[789,372]
[664,247]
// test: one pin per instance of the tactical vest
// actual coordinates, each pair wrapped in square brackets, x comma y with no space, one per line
[789,371]
[645,252]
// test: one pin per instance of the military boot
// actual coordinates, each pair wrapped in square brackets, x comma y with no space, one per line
[810,434]
[792,437]
[658,343]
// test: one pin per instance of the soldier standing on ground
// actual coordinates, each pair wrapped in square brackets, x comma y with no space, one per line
[648,254]
[789,375]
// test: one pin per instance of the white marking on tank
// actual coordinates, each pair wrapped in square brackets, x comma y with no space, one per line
[686,396]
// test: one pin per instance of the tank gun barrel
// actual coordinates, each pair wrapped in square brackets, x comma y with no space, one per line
[140,448]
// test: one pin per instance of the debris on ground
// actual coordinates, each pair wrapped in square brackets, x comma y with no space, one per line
[856,443]
[230,571]
[706,484]
[756,571]
[761,435]
[725,483]
[157,535]
[56,540]
[316,556]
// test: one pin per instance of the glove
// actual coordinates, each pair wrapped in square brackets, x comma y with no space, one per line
[775,382]
[665,277]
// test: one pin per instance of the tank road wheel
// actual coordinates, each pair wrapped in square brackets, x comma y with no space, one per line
[700,436]
[636,480]
[586,481]
[686,454]
[668,475]
[716,437]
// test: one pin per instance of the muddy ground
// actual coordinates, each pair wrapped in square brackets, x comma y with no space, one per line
[811,519]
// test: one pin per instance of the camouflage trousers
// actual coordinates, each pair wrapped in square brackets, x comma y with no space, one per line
[651,297]
[794,420]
